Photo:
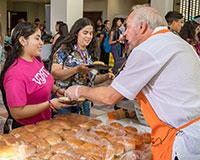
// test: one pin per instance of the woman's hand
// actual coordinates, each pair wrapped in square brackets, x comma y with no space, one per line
[57,103]
[110,75]
[83,68]
[60,92]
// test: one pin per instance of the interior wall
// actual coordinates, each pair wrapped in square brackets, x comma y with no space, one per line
[3,16]
[111,8]
[34,10]
[96,5]
[122,7]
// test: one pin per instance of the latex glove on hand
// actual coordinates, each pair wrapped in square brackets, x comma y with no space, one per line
[72,92]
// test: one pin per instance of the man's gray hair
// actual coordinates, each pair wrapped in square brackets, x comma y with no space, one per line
[148,14]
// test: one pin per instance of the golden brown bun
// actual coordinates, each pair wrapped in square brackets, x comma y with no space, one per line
[130,130]
[41,145]
[7,152]
[62,157]
[98,63]
[53,139]
[56,128]
[73,119]
[60,148]
[91,123]
[94,149]
[74,142]
[67,134]
[119,149]
[44,124]
[11,139]
[30,150]
[26,137]
[31,128]
[66,100]
[116,125]
[43,155]
[63,124]
[42,133]
[19,130]
[146,138]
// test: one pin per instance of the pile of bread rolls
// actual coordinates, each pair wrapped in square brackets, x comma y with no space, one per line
[71,137]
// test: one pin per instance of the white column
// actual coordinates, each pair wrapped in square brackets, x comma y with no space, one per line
[3,16]
[163,6]
[67,11]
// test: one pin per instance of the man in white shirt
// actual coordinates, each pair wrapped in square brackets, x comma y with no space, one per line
[163,73]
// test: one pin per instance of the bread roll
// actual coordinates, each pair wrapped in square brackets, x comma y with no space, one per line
[91,123]
[130,130]
[41,145]
[44,155]
[146,138]
[42,133]
[56,128]
[116,125]
[53,139]
[7,152]
[64,125]
[60,148]
[62,157]
[74,142]
[44,124]
[11,140]
[31,128]
[98,63]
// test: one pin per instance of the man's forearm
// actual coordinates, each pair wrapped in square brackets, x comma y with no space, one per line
[105,95]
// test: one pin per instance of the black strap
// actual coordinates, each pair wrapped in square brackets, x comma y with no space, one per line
[10,123]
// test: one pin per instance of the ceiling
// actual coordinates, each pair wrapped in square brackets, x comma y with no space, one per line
[35,1]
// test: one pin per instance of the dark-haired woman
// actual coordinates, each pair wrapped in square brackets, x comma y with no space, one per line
[116,38]
[190,33]
[25,83]
[69,63]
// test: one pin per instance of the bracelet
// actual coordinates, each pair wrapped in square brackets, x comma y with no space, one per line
[57,90]
[51,105]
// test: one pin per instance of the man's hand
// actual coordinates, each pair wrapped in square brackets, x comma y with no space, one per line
[73,92]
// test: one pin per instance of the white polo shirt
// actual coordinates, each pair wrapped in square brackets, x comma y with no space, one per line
[167,70]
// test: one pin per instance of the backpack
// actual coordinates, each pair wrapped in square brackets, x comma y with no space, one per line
[106,45]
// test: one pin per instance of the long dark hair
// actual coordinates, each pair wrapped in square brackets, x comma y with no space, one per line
[63,32]
[24,29]
[114,23]
[188,32]
[71,39]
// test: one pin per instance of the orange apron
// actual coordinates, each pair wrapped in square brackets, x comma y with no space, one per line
[163,135]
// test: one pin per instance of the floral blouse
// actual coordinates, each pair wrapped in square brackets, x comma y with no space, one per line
[74,59]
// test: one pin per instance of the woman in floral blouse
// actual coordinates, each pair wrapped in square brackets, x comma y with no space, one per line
[71,59]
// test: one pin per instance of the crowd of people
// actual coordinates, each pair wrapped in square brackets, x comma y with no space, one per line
[161,72]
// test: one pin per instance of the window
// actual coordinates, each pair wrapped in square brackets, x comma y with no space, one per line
[190,8]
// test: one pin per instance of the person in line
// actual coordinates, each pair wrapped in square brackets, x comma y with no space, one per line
[104,41]
[189,32]
[162,73]
[25,84]
[70,62]
[116,38]
[58,23]
[175,21]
